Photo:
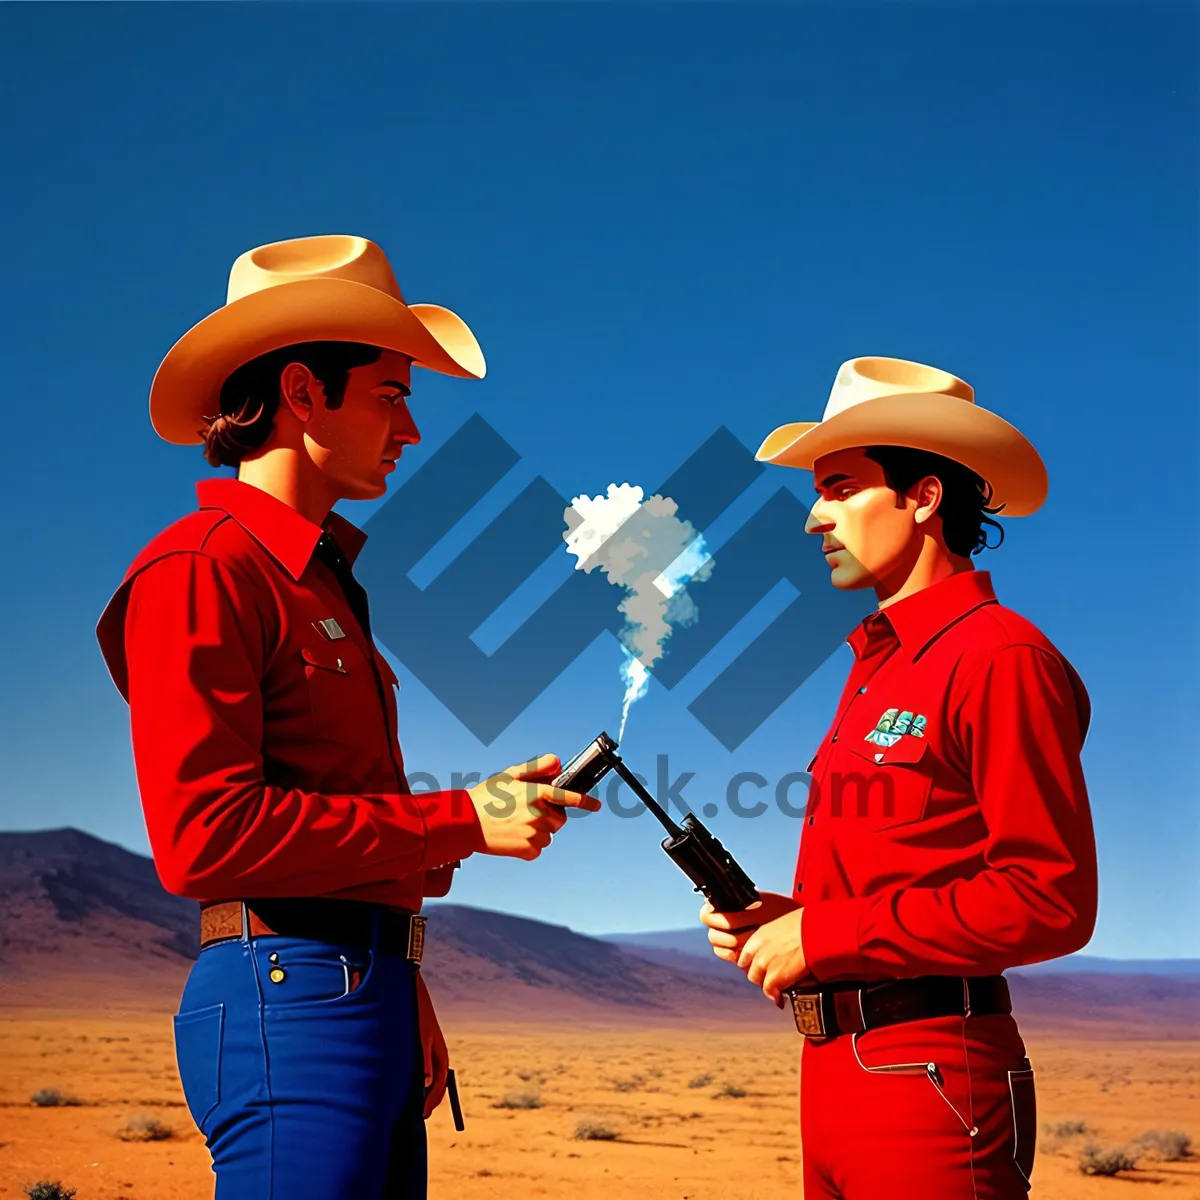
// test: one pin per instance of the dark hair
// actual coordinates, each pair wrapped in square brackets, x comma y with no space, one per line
[250,396]
[966,497]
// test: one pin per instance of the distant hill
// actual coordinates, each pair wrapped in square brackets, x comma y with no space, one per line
[1145,998]
[693,943]
[66,892]
[79,915]
[82,920]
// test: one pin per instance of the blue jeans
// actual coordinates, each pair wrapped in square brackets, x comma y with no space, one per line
[308,1085]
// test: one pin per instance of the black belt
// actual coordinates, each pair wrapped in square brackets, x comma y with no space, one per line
[856,1007]
[348,922]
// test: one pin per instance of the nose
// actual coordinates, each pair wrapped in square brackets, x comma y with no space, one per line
[817,521]
[404,428]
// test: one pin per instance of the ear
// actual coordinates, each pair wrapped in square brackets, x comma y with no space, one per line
[928,494]
[300,390]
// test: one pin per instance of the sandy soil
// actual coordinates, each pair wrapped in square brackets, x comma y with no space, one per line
[675,1140]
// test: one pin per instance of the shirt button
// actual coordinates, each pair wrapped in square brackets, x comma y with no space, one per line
[862,691]
[810,820]
[834,738]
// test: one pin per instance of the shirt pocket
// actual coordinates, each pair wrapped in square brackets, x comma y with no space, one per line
[885,785]
[341,690]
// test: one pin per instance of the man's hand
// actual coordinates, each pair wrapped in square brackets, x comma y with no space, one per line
[433,1049]
[763,940]
[519,811]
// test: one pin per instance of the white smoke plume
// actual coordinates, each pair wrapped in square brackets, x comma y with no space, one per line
[644,547]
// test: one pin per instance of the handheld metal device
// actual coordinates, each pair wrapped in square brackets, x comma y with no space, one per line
[455,1106]
[694,849]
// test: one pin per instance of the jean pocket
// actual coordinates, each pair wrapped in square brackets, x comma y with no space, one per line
[306,975]
[198,1038]
[1024,1109]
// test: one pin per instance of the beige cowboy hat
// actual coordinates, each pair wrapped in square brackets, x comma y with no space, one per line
[893,402]
[330,288]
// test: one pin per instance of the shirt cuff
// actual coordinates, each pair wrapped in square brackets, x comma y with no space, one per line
[452,829]
[830,940]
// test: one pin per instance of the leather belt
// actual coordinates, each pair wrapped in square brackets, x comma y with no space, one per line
[841,1008]
[345,922]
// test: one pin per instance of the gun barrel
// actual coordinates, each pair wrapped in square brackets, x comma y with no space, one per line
[635,785]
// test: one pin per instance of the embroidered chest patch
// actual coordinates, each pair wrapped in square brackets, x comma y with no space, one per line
[894,724]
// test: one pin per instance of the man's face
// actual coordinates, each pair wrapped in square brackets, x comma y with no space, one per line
[868,533]
[357,444]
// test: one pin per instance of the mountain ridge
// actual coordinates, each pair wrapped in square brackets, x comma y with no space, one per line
[83,918]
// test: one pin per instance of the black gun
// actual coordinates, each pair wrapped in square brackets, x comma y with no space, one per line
[697,853]
[694,849]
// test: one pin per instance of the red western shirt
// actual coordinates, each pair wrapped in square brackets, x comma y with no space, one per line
[264,735]
[948,829]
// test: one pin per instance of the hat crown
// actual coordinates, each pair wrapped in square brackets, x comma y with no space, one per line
[861,379]
[329,256]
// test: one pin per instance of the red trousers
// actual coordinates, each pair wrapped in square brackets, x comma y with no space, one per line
[941,1109]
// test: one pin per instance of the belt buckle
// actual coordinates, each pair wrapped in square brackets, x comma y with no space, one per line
[809,1013]
[416,938]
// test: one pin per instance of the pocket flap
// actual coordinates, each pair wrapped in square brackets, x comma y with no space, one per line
[333,657]
[907,750]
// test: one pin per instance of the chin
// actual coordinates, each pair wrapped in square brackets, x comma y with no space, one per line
[368,490]
[849,580]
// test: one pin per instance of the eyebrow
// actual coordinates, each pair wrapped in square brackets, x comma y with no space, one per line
[830,480]
[395,383]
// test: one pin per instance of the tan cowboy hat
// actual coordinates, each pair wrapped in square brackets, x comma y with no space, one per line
[893,402]
[314,289]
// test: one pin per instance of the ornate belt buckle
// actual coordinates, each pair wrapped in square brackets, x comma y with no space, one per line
[809,1014]
[416,938]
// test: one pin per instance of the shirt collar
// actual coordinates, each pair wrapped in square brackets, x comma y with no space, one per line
[280,529]
[918,619]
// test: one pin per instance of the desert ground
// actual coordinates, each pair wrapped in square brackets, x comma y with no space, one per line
[678,1134]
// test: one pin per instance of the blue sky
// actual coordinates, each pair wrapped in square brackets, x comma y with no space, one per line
[659,220]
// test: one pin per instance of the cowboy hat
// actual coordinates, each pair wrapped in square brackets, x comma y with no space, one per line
[893,402]
[313,289]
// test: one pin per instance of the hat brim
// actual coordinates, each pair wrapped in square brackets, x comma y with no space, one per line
[956,429]
[187,385]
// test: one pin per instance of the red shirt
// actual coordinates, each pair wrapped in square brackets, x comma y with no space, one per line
[948,829]
[265,745]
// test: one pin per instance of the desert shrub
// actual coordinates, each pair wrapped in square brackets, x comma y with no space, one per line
[700,1081]
[629,1085]
[1167,1145]
[730,1090]
[1097,1159]
[52,1098]
[1070,1127]
[142,1127]
[592,1130]
[49,1191]
[519,1100]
